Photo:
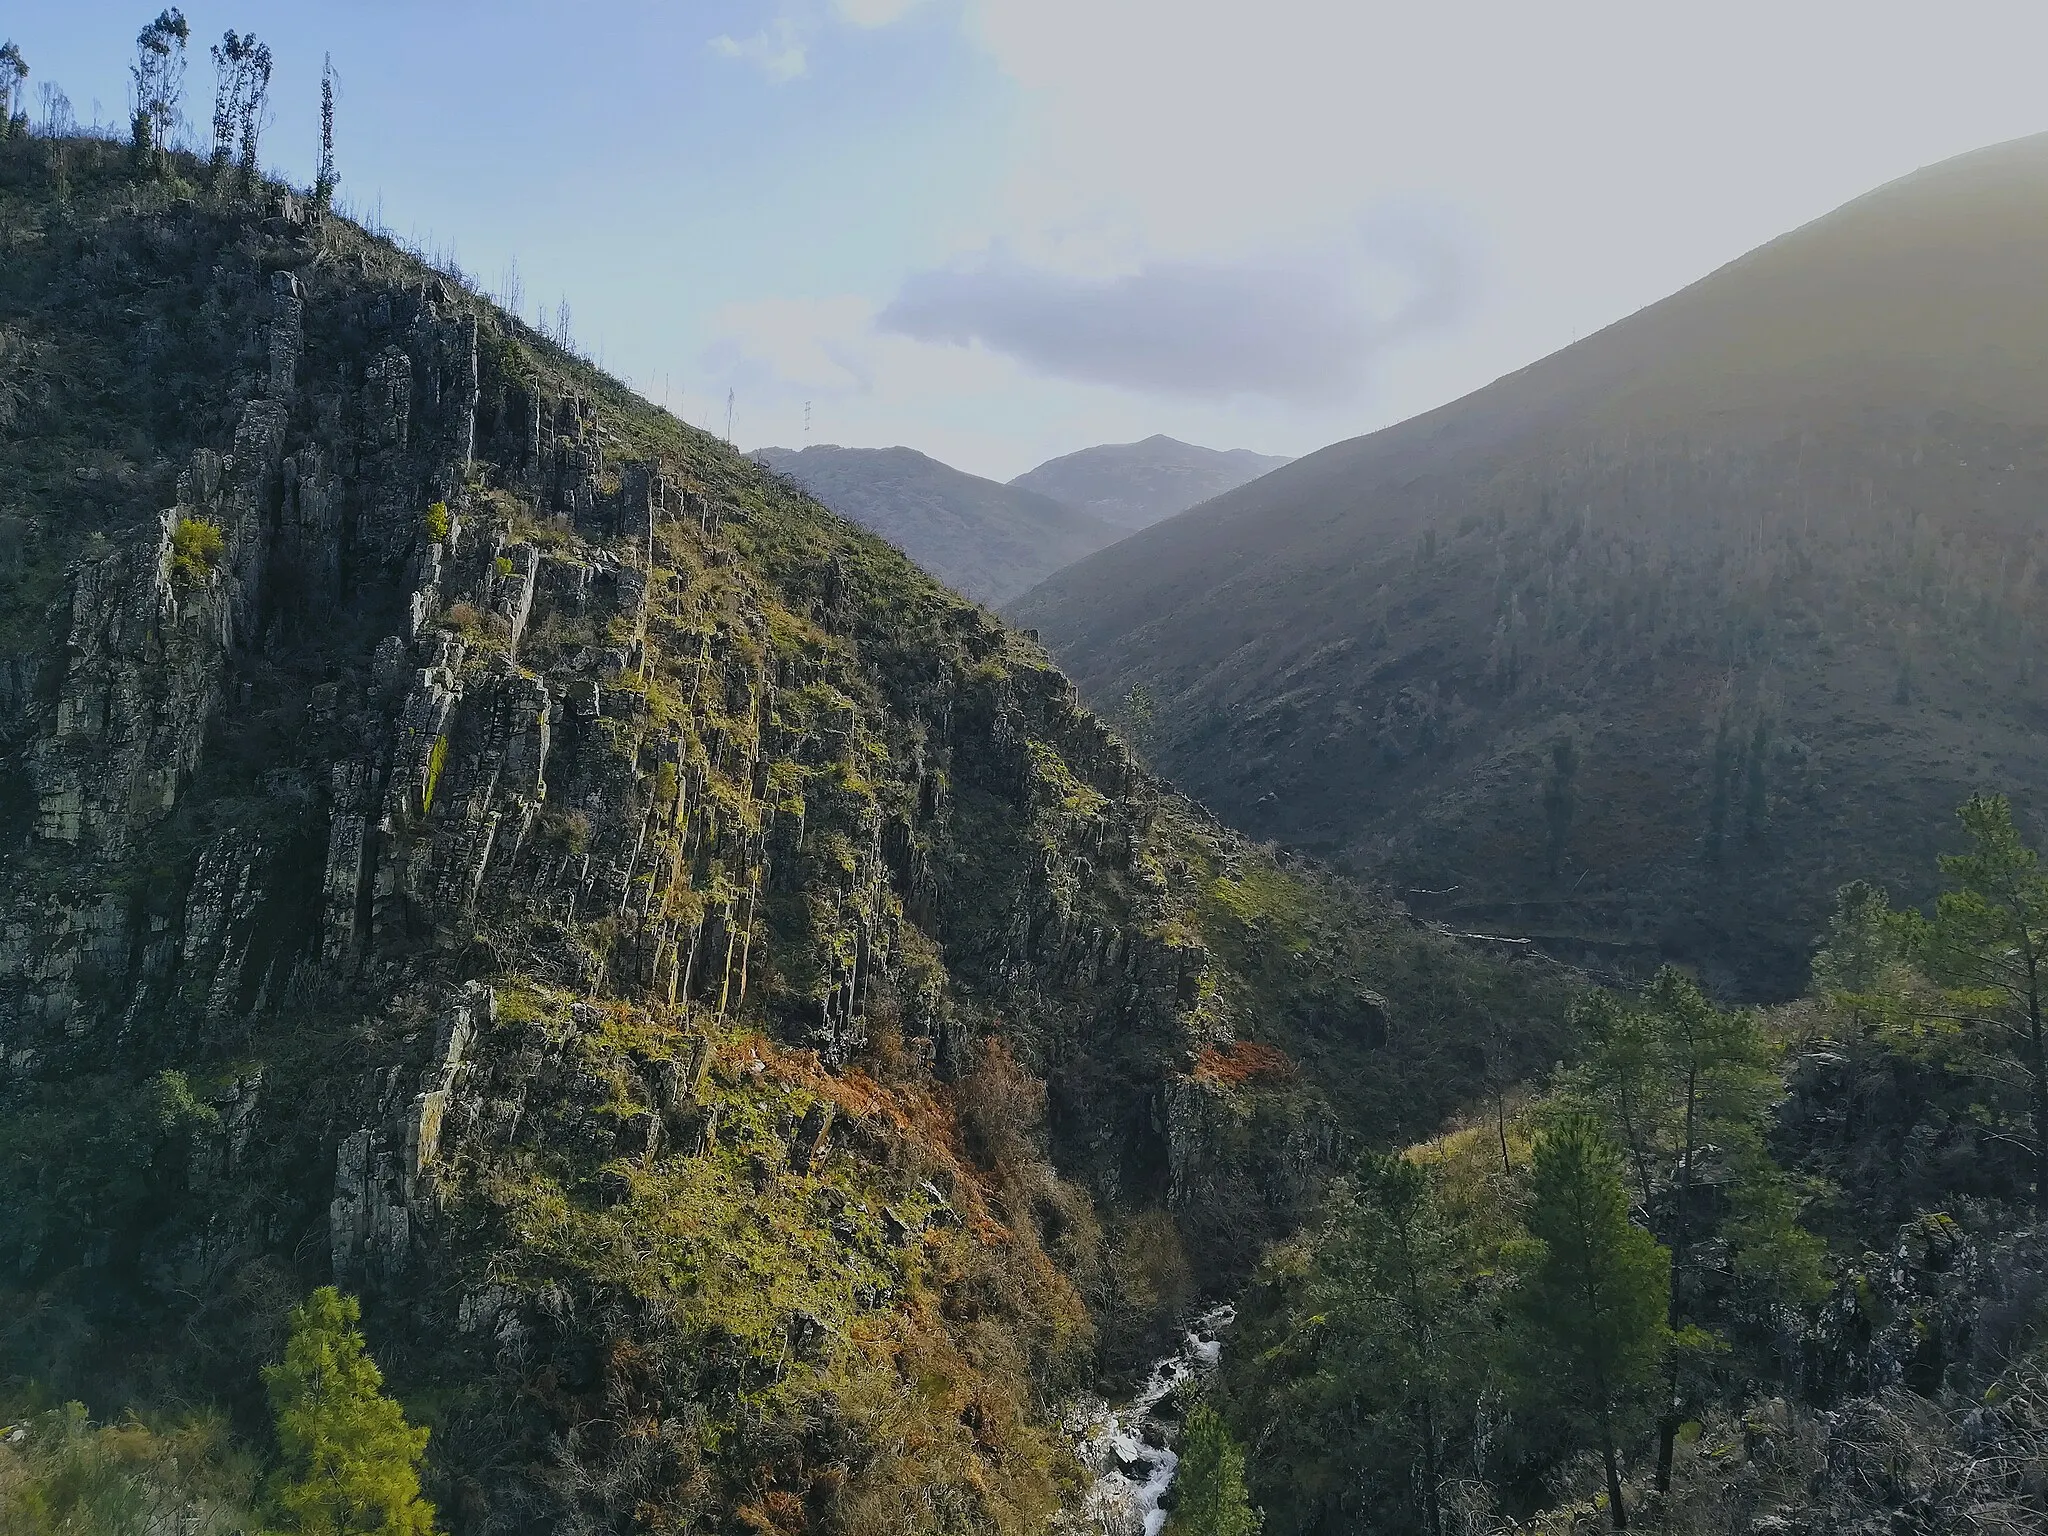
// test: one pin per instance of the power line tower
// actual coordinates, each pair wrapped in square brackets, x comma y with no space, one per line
[728,418]
[807,421]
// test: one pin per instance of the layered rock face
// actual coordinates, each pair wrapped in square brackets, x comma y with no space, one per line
[715,993]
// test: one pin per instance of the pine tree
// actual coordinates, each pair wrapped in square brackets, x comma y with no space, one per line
[1595,1294]
[1210,1498]
[351,1462]
[1988,943]
[1398,1298]
[1624,1080]
[1673,1076]
[1862,942]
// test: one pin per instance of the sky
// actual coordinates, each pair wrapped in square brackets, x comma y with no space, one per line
[1001,230]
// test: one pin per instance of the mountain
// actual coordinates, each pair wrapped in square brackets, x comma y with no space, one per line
[753,1040]
[1637,652]
[980,537]
[1134,485]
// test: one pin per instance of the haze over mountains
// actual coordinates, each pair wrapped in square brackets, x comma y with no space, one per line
[1640,650]
[992,541]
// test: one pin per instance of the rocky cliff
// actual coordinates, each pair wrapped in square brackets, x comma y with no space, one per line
[752,1037]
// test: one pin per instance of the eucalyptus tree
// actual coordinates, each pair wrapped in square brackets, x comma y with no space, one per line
[159,80]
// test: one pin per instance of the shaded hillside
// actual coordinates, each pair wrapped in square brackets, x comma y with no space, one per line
[1643,649]
[754,1040]
[1134,485]
[985,539]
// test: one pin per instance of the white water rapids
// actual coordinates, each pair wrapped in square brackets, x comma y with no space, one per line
[1126,1447]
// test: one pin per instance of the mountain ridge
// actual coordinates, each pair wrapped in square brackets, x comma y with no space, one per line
[1748,507]
[985,539]
[1134,485]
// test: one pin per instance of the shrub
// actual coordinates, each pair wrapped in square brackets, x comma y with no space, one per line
[196,547]
[437,522]
[59,1472]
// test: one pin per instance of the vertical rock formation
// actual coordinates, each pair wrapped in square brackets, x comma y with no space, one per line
[545,874]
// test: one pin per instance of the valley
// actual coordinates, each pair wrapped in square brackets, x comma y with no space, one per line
[558,978]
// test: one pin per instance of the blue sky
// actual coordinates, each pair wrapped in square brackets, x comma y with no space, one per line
[999,230]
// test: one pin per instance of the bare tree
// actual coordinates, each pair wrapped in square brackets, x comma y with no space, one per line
[13,71]
[56,121]
[159,76]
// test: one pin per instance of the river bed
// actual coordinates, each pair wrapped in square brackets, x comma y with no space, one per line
[1126,1447]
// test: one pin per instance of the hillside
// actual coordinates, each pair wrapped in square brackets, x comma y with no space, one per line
[1640,651]
[755,1042]
[987,540]
[1134,485]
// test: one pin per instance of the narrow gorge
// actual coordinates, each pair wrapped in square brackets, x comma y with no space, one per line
[755,1042]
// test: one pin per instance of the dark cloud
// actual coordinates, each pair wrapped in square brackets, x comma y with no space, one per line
[1304,329]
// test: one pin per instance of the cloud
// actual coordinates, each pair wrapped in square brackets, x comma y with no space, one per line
[874,13]
[1304,329]
[781,49]
[777,50]
[803,345]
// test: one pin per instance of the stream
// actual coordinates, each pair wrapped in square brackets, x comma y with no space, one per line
[1126,1447]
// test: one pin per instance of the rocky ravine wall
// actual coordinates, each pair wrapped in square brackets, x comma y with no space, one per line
[366,823]
[752,1038]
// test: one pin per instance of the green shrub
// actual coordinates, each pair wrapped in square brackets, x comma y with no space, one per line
[196,547]
[437,759]
[59,1472]
[437,522]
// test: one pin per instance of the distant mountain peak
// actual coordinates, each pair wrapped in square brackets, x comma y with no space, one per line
[1134,485]
[983,538]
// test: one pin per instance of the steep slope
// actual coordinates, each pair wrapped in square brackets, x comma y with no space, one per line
[1640,650]
[1134,485]
[988,540]
[753,1039]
